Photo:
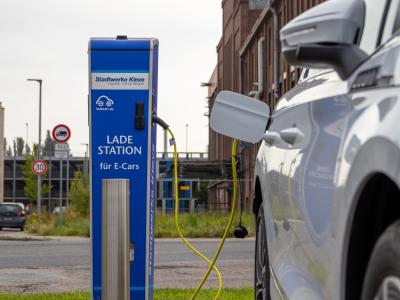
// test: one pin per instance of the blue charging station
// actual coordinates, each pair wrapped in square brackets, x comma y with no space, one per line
[123,97]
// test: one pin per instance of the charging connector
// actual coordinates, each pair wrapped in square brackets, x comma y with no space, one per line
[160,122]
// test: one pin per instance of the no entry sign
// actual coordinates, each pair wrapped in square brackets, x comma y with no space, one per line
[61,133]
[39,167]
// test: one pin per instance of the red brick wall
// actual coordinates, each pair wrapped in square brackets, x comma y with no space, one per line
[238,24]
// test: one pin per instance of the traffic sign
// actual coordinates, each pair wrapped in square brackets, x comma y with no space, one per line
[39,167]
[61,133]
[61,147]
[61,154]
[61,151]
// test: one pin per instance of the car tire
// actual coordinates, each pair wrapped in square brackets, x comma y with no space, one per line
[383,272]
[261,267]
[1,228]
[21,228]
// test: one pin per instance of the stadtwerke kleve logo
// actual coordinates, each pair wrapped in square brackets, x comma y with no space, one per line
[120,79]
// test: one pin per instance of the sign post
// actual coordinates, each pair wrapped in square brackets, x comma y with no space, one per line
[123,97]
[61,134]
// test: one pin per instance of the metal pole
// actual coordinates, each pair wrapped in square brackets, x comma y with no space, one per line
[191,203]
[67,189]
[165,144]
[14,177]
[39,154]
[61,183]
[27,133]
[187,155]
[49,200]
[85,162]
[39,179]
[186,137]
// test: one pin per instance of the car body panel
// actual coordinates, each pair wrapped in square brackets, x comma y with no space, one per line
[310,190]
[12,215]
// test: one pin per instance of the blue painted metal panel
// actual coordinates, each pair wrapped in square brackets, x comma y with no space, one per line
[113,44]
[123,73]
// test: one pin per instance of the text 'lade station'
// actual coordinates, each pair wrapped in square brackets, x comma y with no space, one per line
[119,145]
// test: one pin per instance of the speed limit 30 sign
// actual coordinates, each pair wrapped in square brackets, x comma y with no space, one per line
[39,167]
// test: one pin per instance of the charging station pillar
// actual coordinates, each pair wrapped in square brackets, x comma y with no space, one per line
[123,97]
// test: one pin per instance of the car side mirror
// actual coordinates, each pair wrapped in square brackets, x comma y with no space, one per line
[239,117]
[326,36]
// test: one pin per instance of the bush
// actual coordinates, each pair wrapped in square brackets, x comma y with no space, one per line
[69,223]
[79,194]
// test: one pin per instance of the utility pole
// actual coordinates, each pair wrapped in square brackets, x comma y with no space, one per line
[39,154]
[187,125]
[187,154]
[27,133]
[86,165]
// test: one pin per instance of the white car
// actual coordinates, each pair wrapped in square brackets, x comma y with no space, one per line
[327,175]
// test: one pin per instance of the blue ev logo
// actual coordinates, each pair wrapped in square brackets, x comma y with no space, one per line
[104,103]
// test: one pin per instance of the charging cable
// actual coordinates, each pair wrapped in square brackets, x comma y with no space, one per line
[228,225]
[212,265]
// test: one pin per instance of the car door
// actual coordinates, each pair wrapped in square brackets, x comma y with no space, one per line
[310,127]
[312,119]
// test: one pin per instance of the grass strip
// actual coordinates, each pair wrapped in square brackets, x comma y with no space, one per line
[198,225]
[159,294]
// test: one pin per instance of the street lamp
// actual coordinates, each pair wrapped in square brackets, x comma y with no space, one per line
[86,170]
[27,133]
[187,155]
[39,154]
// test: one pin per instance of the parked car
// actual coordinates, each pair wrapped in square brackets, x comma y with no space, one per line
[12,215]
[327,174]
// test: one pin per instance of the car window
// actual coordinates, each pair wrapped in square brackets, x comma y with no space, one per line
[8,208]
[307,73]
[374,14]
[392,24]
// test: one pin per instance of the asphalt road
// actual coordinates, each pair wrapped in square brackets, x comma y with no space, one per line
[76,252]
[64,264]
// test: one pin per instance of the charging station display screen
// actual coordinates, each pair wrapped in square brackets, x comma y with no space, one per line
[123,90]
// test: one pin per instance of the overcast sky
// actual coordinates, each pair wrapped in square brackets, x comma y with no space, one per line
[48,39]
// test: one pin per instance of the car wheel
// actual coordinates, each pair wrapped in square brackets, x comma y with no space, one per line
[21,228]
[262,275]
[382,280]
[1,228]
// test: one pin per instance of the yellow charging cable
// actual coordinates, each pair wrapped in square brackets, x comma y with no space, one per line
[191,247]
[228,225]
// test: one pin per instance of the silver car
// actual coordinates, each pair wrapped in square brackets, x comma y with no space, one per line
[327,175]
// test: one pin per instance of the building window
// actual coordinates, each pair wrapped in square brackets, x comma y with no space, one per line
[257,4]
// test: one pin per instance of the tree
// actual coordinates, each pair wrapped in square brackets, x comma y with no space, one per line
[9,151]
[20,146]
[14,148]
[79,194]
[28,149]
[201,193]
[48,146]
[30,178]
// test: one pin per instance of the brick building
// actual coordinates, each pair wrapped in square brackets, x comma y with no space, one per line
[250,62]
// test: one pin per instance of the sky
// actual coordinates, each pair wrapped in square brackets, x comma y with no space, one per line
[48,39]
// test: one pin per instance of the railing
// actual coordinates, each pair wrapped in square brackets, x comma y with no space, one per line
[184,155]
